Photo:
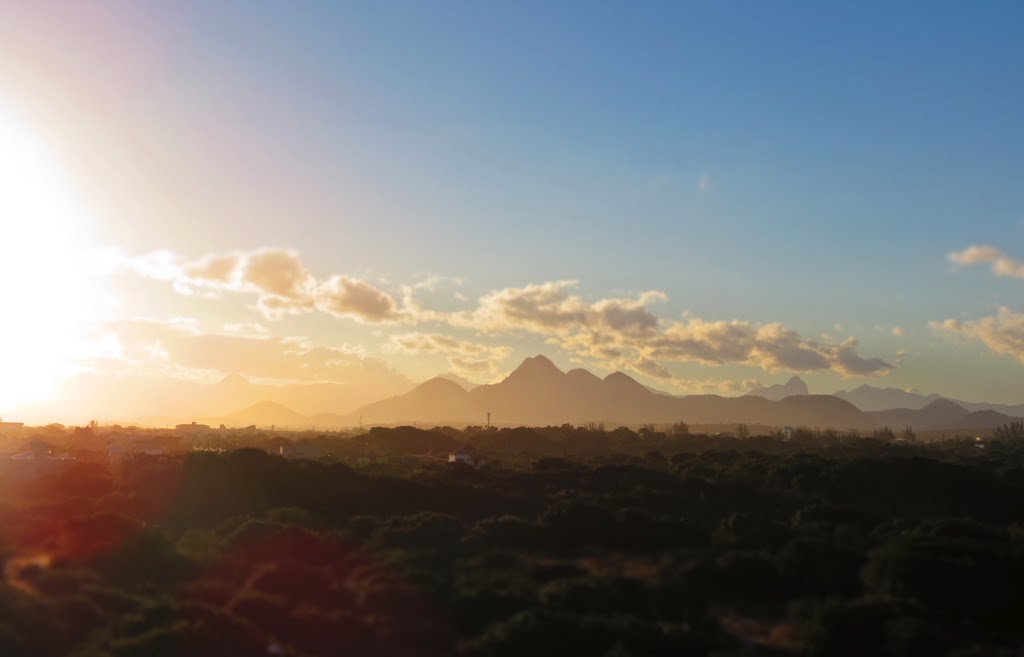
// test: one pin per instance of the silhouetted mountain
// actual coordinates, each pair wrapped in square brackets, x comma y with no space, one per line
[265,413]
[436,400]
[795,386]
[940,413]
[462,381]
[869,398]
[986,420]
[538,393]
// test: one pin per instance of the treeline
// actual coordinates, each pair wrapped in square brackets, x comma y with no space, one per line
[565,541]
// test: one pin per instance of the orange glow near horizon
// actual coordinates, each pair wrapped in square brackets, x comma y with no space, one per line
[45,292]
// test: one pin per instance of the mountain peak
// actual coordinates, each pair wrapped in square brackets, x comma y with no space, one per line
[581,374]
[945,404]
[795,386]
[536,366]
[623,380]
[233,379]
[440,384]
[455,378]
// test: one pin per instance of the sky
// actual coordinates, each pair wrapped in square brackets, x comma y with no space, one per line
[709,196]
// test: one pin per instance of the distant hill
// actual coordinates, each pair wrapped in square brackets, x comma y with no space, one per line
[538,393]
[138,397]
[263,413]
[462,381]
[986,420]
[870,398]
[940,413]
[795,386]
[267,413]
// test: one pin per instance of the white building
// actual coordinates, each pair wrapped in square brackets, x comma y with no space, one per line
[465,455]
[299,451]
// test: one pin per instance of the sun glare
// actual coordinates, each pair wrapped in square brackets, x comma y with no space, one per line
[43,287]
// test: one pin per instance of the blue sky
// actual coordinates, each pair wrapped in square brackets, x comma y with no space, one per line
[845,151]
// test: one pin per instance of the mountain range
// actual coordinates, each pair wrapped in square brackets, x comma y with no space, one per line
[795,386]
[535,393]
[940,414]
[870,398]
[538,393]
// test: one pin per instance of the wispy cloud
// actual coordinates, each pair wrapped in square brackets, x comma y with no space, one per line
[1003,332]
[977,254]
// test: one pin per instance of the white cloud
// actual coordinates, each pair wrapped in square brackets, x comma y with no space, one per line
[474,368]
[618,329]
[705,182]
[419,343]
[1002,265]
[351,297]
[280,280]
[1003,332]
[468,359]
[626,330]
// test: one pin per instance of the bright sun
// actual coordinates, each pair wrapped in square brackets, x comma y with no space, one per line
[43,289]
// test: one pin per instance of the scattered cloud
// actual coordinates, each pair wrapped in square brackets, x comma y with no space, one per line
[725,387]
[1003,332]
[650,368]
[551,308]
[619,330]
[978,254]
[626,331]
[474,368]
[899,331]
[468,359]
[282,283]
[419,343]
[705,182]
[350,297]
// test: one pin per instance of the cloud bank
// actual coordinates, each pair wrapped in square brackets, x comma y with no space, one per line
[625,332]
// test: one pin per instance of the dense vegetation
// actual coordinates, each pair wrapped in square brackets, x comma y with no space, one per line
[564,542]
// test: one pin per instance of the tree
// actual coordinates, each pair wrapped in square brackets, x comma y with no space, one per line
[885,433]
[1011,431]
